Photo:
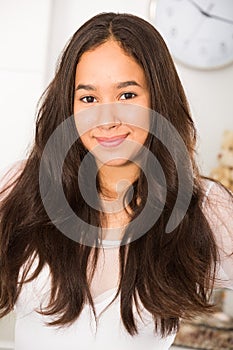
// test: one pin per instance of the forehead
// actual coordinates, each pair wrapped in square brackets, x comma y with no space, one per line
[106,48]
[108,59]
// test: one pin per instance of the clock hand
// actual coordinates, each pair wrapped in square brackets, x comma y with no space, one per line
[220,18]
[203,12]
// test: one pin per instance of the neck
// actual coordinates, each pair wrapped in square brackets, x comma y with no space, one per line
[115,181]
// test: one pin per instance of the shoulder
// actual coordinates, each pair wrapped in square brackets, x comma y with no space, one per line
[218,210]
[217,204]
[9,175]
[36,292]
[11,171]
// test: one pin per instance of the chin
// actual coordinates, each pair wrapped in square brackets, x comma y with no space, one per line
[114,162]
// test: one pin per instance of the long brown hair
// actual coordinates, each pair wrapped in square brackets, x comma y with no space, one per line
[170,273]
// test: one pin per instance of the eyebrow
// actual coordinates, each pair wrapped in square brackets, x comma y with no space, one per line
[120,85]
[85,87]
[127,83]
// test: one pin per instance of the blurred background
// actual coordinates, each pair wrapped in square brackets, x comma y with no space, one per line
[32,36]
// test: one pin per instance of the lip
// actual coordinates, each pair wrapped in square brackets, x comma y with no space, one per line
[111,141]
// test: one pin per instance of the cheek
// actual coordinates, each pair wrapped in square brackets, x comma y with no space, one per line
[86,120]
[81,129]
[141,135]
[141,122]
[83,126]
[87,141]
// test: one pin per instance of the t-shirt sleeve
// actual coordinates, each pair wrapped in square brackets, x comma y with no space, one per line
[218,209]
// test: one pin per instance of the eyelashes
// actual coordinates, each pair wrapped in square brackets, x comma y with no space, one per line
[128,96]
[88,99]
[92,99]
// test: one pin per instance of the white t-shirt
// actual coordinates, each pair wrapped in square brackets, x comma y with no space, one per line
[83,334]
[31,331]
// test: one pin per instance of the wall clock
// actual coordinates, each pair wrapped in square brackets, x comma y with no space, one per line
[198,33]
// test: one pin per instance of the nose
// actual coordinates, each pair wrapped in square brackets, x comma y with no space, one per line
[109,126]
[108,117]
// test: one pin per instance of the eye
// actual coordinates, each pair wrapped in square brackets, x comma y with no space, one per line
[127,96]
[88,99]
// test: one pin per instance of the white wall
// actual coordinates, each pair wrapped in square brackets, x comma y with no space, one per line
[210,94]
[24,27]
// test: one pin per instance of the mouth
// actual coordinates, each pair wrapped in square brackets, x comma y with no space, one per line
[111,141]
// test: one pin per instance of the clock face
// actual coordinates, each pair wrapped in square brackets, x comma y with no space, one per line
[198,33]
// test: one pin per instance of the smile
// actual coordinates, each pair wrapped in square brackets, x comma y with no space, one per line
[111,141]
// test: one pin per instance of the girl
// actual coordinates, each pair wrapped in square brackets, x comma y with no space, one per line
[103,271]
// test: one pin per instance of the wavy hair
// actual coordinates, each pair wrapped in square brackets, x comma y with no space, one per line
[171,274]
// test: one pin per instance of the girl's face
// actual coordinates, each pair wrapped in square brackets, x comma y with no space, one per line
[109,79]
